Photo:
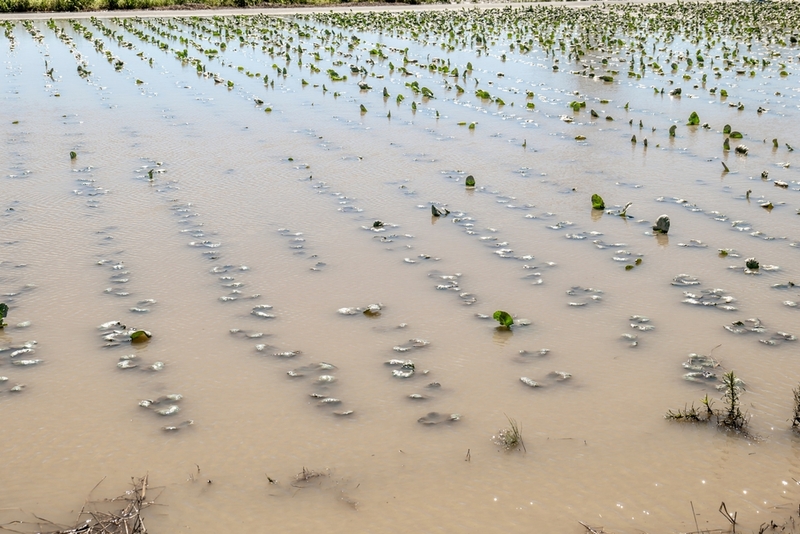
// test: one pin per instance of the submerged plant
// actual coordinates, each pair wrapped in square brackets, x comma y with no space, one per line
[694,119]
[511,437]
[470,182]
[796,418]
[732,416]
[3,313]
[597,202]
[752,264]
[504,318]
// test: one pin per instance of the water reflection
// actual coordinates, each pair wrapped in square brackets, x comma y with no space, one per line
[502,335]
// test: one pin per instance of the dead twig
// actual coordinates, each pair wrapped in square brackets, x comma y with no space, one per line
[591,530]
[694,515]
[731,518]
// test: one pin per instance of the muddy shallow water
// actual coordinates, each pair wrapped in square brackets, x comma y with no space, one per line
[262,222]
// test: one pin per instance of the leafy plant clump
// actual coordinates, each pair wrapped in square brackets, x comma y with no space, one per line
[504,318]
[3,313]
[510,438]
[597,202]
[694,119]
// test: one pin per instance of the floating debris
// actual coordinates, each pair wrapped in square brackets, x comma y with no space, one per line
[411,344]
[540,352]
[171,410]
[693,243]
[590,295]
[179,426]
[700,362]
[710,297]
[529,382]
[746,326]
[261,311]
[640,322]
[685,280]
[631,339]
[288,354]
[406,370]
[310,368]
[435,418]
[699,376]
[439,212]
[560,376]
[662,224]
[26,363]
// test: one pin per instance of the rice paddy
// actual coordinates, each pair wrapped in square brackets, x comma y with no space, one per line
[296,267]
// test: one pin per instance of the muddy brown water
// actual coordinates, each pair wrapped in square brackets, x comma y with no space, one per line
[598,447]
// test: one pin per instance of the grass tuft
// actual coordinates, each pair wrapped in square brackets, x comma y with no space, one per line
[511,438]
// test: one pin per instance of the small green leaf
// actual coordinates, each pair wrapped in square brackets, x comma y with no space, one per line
[503,318]
[726,129]
[597,202]
[3,310]
[400,98]
[694,119]
[470,181]
[736,135]
[140,336]
[73,155]
[628,267]
[672,130]
[363,108]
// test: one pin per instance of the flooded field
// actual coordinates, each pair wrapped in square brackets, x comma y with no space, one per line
[240,254]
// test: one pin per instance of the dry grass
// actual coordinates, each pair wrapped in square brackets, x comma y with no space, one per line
[92,518]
